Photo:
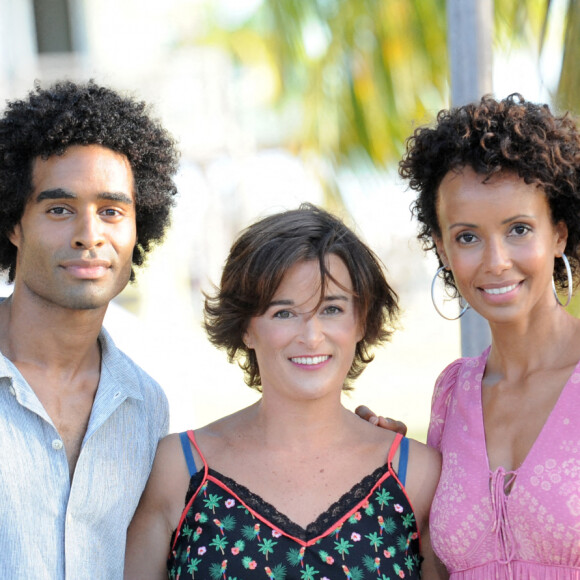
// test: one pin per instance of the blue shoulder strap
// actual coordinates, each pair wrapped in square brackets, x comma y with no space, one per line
[403,458]
[186,445]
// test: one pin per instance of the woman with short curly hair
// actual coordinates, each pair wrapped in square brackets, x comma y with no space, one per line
[499,202]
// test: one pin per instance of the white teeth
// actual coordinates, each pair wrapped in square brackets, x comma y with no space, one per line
[500,290]
[309,360]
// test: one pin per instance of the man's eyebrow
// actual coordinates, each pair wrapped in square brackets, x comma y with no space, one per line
[60,193]
[56,193]
[116,196]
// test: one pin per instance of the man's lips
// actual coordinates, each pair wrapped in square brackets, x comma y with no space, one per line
[86,269]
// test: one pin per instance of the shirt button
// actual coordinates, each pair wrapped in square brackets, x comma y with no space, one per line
[57,444]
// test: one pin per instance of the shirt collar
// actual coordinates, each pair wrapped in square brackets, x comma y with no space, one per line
[118,371]
[5,370]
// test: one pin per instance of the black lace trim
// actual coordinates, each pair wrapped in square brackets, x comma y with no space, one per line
[322,523]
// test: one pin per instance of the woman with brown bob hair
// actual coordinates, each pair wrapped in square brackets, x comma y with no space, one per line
[294,486]
[258,262]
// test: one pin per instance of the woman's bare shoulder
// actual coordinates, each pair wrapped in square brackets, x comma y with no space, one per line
[424,469]
[424,453]
[169,476]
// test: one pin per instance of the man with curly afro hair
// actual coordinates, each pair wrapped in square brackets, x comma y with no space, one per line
[86,190]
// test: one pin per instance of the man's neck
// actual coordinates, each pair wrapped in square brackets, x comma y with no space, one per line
[57,352]
[48,336]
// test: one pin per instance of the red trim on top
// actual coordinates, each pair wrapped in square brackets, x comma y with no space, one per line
[205,468]
[206,477]
[392,452]
[393,449]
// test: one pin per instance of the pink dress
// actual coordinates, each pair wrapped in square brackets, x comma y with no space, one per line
[479,531]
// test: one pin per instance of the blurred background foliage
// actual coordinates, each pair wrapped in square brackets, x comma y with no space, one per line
[351,78]
[568,94]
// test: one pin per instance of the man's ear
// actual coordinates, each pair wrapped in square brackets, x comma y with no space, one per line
[15,236]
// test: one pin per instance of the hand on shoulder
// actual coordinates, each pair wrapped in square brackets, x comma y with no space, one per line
[384,422]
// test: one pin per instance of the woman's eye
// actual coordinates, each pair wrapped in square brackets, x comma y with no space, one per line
[465,238]
[332,310]
[520,229]
[283,314]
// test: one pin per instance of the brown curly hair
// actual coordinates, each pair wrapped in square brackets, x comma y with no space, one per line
[492,136]
[259,260]
[51,120]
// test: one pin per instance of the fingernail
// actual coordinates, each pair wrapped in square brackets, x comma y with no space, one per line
[374,420]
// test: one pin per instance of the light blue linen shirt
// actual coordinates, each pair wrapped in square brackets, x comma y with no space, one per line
[51,528]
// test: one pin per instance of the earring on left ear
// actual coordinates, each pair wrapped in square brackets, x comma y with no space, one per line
[464,307]
[570,282]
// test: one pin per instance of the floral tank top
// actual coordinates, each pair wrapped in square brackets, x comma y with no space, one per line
[228,533]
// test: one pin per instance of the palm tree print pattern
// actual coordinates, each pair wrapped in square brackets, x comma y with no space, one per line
[224,535]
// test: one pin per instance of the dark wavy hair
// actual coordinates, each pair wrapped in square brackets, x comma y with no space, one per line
[51,120]
[259,260]
[509,135]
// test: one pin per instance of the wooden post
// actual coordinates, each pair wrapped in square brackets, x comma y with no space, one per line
[469,42]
